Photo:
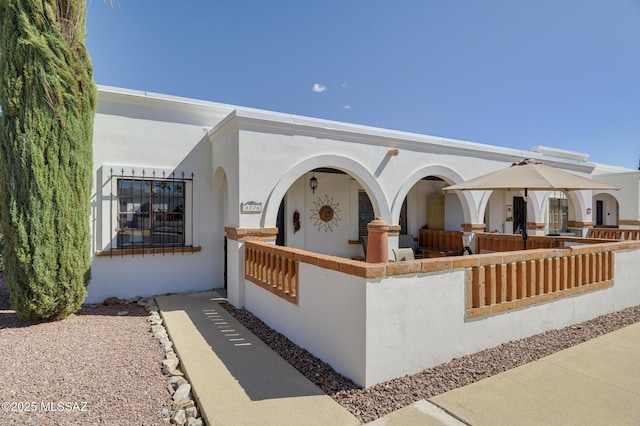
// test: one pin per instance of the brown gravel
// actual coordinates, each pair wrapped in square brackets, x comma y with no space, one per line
[376,401]
[94,368]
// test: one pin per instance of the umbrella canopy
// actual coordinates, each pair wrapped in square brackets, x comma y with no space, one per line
[527,175]
[530,174]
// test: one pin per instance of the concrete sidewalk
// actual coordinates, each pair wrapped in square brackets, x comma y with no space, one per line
[594,383]
[238,380]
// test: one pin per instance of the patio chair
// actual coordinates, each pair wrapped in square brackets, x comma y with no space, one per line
[403,254]
[406,241]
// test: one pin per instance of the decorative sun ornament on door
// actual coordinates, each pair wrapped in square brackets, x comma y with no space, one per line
[325,214]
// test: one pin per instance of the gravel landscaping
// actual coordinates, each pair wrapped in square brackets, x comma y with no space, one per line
[95,367]
[376,401]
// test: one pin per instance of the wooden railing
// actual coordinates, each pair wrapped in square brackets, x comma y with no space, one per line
[495,242]
[486,241]
[440,240]
[495,282]
[614,233]
[273,268]
[527,277]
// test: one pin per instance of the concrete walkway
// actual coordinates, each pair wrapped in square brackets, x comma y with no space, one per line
[238,380]
[594,383]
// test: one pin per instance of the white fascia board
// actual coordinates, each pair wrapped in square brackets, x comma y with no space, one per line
[560,153]
[224,126]
[266,121]
[198,112]
[606,169]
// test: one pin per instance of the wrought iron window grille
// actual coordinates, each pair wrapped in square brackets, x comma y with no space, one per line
[150,209]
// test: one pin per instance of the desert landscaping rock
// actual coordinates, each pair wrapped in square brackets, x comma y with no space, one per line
[183,393]
[182,404]
[100,357]
[178,417]
[112,363]
[191,412]
[194,422]
[111,301]
[183,409]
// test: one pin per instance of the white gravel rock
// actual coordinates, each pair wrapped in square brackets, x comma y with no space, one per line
[178,417]
[183,393]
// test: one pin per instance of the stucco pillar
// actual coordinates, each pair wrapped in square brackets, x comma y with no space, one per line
[378,241]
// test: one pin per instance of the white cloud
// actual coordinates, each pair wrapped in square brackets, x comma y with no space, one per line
[347,107]
[319,88]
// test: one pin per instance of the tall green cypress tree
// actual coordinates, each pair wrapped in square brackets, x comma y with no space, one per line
[48,100]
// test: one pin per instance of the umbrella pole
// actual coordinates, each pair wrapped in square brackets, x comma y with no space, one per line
[524,230]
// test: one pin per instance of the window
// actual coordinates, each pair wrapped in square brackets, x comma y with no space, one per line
[558,215]
[365,213]
[151,213]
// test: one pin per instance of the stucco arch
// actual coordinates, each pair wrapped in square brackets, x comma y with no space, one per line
[227,198]
[604,194]
[450,176]
[220,187]
[535,208]
[355,169]
[580,205]
[611,204]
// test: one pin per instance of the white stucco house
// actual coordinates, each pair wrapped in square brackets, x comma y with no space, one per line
[237,166]
[182,184]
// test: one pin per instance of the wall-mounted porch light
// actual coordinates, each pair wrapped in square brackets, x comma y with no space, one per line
[313,183]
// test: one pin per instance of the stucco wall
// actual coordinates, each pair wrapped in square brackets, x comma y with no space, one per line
[148,143]
[329,320]
[417,322]
[628,197]
[375,330]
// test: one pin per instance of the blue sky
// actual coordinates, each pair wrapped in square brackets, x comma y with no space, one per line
[513,73]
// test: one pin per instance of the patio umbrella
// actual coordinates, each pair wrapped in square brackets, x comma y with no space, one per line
[528,175]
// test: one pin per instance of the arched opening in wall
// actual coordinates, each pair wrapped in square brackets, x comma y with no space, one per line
[606,211]
[325,210]
[427,208]
[434,209]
